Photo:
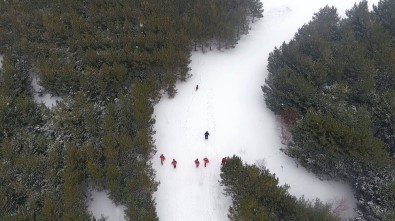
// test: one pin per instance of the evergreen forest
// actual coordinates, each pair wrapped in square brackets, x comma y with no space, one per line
[333,85]
[110,61]
[258,196]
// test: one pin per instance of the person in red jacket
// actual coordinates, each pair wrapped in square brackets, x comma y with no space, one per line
[162,158]
[174,163]
[205,161]
[223,161]
[197,163]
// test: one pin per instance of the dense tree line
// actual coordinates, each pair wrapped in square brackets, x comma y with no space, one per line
[100,47]
[334,83]
[257,195]
[110,61]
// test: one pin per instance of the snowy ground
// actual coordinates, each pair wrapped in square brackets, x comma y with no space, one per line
[41,97]
[99,204]
[229,104]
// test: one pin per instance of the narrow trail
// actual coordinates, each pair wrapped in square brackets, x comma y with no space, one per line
[229,104]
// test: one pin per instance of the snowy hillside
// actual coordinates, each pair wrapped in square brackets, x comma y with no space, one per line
[229,104]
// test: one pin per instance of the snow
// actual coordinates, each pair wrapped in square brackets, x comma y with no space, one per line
[41,97]
[229,104]
[100,204]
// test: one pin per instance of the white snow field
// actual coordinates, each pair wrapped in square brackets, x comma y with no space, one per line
[229,104]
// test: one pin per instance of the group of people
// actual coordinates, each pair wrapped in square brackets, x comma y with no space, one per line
[197,162]
[205,160]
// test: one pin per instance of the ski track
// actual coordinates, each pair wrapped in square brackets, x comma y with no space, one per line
[230,105]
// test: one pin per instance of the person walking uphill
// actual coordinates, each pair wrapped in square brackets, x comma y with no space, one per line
[197,163]
[206,135]
[174,163]
[162,158]
[205,161]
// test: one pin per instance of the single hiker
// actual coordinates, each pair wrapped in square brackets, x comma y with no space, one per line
[223,161]
[197,163]
[162,158]
[197,87]
[205,161]
[206,135]
[174,163]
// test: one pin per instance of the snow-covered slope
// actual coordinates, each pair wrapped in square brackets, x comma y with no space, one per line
[229,104]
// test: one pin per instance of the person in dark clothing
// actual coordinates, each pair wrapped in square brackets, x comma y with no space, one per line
[174,163]
[162,158]
[206,135]
[197,163]
[197,87]
[206,161]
